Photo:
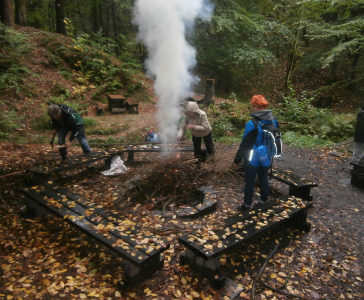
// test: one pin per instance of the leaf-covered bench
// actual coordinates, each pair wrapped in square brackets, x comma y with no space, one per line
[205,247]
[140,249]
[298,186]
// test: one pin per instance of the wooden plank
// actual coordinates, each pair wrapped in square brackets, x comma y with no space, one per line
[248,213]
[117,245]
[291,178]
[229,223]
[144,243]
[215,247]
[214,243]
[280,214]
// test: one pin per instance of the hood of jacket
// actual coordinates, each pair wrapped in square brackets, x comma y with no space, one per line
[192,107]
[265,115]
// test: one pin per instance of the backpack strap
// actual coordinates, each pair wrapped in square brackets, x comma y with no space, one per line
[257,121]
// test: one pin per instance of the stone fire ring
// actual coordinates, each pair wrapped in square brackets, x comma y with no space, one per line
[207,206]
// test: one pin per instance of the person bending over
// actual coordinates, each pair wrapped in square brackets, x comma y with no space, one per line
[196,120]
[65,119]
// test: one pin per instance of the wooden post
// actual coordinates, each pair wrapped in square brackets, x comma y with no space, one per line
[210,90]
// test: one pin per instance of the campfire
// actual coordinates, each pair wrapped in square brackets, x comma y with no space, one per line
[169,186]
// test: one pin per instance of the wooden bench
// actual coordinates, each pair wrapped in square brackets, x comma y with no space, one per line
[205,247]
[132,150]
[357,174]
[140,249]
[73,162]
[298,186]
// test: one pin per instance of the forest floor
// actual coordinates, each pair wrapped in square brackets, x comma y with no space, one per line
[44,258]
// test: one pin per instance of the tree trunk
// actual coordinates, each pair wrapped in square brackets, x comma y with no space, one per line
[114,26]
[353,84]
[332,73]
[81,18]
[291,62]
[210,90]
[95,19]
[20,13]
[51,16]
[6,12]
[107,19]
[60,24]
[101,19]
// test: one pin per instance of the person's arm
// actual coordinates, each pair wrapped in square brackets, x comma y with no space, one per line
[182,128]
[247,142]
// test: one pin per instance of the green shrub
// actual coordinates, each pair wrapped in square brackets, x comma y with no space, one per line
[309,121]
[295,109]
[89,122]
[13,46]
[135,137]
[221,126]
[7,125]
[304,141]
[13,77]
[99,130]
[43,122]
[67,74]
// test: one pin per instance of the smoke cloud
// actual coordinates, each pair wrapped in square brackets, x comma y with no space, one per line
[162,25]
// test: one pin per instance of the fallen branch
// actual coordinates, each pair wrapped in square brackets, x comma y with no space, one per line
[261,271]
[12,174]
[283,292]
[165,204]
[289,272]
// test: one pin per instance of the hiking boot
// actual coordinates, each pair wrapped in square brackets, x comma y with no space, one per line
[242,207]
[260,203]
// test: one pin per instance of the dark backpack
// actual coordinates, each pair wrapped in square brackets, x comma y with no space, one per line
[272,138]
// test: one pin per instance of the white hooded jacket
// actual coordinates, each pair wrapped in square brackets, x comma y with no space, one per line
[202,125]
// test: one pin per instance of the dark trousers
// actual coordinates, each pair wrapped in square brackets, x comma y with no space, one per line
[81,137]
[208,143]
[250,173]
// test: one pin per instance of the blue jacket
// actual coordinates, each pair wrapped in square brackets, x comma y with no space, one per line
[252,138]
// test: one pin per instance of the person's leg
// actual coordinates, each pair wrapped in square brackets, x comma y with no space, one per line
[262,173]
[197,146]
[81,137]
[250,174]
[358,152]
[209,143]
[62,134]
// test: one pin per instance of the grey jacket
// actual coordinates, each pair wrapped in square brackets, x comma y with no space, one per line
[202,125]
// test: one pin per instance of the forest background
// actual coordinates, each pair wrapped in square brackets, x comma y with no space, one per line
[304,56]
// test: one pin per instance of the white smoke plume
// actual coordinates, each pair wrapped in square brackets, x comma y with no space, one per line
[162,25]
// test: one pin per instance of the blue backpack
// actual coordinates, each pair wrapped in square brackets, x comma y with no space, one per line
[272,138]
[151,137]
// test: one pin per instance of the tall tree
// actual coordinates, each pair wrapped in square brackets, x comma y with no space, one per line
[20,13]
[95,16]
[6,12]
[60,24]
